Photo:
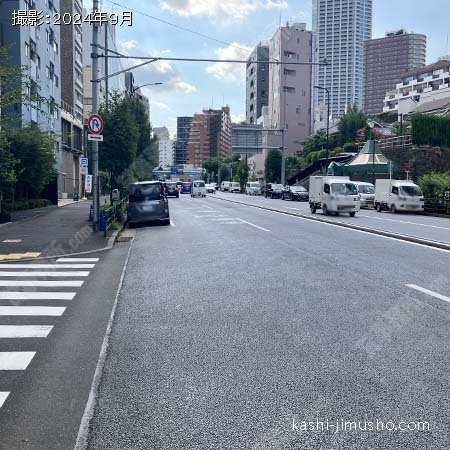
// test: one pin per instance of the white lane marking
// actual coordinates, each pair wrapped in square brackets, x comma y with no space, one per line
[427,291]
[405,221]
[54,311]
[206,206]
[296,209]
[44,274]
[220,219]
[36,283]
[37,295]
[15,360]
[3,397]
[172,223]
[12,241]
[45,266]
[206,216]
[75,260]
[25,331]
[252,224]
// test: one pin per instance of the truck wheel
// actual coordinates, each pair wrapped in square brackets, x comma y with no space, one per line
[313,208]
[352,214]
[325,210]
[378,207]
[393,209]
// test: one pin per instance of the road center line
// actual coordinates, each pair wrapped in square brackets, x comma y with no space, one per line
[252,224]
[53,311]
[427,291]
[25,331]
[31,274]
[15,361]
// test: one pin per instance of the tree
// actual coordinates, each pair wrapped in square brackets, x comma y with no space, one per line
[121,137]
[224,173]
[293,165]
[272,166]
[33,151]
[316,142]
[350,123]
[211,166]
[435,184]
[242,173]
[7,167]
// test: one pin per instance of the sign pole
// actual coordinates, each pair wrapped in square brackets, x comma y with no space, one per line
[94,56]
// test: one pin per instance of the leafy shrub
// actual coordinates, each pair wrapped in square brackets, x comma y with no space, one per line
[435,184]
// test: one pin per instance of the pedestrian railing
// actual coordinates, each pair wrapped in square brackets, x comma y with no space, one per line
[438,205]
[114,212]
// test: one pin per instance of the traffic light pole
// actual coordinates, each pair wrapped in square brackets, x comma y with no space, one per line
[95,184]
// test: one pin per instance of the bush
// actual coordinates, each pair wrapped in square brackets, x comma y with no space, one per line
[430,130]
[435,184]
[24,204]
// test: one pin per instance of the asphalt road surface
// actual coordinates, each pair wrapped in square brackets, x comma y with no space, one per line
[240,328]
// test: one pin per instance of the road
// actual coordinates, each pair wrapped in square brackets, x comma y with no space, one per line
[238,326]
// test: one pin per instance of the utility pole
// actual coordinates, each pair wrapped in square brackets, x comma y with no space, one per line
[283,159]
[94,56]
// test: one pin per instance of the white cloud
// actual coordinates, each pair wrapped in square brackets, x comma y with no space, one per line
[156,104]
[181,86]
[226,10]
[234,72]
[237,118]
[129,45]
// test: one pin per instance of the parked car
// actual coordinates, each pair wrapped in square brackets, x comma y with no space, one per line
[210,189]
[252,188]
[171,189]
[147,202]
[186,187]
[366,194]
[235,187]
[298,193]
[398,195]
[198,189]
[273,190]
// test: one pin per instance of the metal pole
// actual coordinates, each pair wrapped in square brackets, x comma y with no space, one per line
[94,56]
[283,159]
[373,156]
[328,129]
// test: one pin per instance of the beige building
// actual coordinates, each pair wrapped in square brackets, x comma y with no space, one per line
[290,85]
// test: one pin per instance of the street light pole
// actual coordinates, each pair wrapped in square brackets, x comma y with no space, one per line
[328,123]
[283,159]
[148,84]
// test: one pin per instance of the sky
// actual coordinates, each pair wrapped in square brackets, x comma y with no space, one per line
[231,28]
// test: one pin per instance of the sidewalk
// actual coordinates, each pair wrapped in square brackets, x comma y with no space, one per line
[50,231]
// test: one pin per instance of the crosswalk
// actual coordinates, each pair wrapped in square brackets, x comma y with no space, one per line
[25,291]
[211,215]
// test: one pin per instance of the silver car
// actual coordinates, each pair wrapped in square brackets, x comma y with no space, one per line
[147,202]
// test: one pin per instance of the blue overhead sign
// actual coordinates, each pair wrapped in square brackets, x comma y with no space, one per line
[174,171]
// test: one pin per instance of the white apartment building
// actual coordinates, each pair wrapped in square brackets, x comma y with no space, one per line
[420,89]
[166,146]
[339,31]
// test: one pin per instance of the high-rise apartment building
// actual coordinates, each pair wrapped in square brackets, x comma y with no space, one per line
[71,98]
[166,148]
[257,83]
[340,28]
[183,132]
[290,85]
[210,136]
[385,62]
[38,49]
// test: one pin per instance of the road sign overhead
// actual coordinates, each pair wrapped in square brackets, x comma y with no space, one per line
[95,124]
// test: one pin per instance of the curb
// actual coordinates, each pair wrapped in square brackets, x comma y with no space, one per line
[400,237]
[73,203]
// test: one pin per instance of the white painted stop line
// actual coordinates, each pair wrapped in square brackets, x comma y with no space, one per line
[25,331]
[44,274]
[54,311]
[9,295]
[15,360]
[3,397]
[36,283]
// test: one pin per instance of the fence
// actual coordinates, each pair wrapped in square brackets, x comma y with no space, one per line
[114,212]
[437,205]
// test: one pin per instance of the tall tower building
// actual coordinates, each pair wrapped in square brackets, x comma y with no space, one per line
[340,28]
[257,83]
[290,85]
[385,61]
[183,132]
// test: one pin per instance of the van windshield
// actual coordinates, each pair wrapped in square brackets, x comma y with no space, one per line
[366,189]
[411,191]
[344,188]
[254,184]
[198,184]
[143,192]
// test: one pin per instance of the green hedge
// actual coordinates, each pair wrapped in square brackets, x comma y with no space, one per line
[23,204]
[430,130]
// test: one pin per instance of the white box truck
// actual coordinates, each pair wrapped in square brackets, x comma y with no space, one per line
[333,195]
[398,195]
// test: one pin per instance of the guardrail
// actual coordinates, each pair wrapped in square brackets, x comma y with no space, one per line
[111,214]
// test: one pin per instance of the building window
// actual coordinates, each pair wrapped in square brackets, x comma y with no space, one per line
[290,72]
[27,49]
[289,89]
[298,110]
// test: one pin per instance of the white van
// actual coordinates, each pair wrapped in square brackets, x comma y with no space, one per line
[333,195]
[225,186]
[366,193]
[252,188]
[198,188]
[235,187]
[398,195]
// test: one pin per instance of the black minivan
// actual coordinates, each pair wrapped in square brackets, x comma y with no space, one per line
[147,202]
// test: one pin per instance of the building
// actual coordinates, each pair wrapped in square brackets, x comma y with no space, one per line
[145,102]
[210,136]
[106,66]
[37,48]
[257,83]
[419,88]
[71,99]
[340,30]
[385,61]
[183,132]
[166,147]
[290,85]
